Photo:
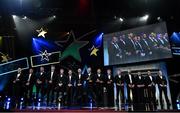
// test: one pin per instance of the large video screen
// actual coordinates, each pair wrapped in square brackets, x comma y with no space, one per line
[136,45]
[175,42]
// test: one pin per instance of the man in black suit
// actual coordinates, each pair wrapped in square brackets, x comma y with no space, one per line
[40,84]
[70,88]
[17,87]
[79,86]
[51,82]
[150,84]
[140,86]
[90,86]
[131,47]
[145,42]
[99,85]
[130,81]
[114,51]
[30,81]
[162,85]
[109,79]
[61,87]
[119,81]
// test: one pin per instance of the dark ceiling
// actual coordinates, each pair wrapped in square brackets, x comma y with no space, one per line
[84,14]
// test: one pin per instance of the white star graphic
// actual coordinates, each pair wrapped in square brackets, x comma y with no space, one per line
[41,32]
[45,55]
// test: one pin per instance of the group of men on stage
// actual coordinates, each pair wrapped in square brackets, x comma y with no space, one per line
[72,89]
[122,47]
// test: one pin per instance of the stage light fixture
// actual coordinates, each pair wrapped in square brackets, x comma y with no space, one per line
[121,19]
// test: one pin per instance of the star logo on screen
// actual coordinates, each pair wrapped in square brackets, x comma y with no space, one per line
[41,32]
[45,55]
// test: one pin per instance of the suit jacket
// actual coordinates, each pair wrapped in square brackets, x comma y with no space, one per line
[130,45]
[149,81]
[72,80]
[54,78]
[100,78]
[80,80]
[127,79]
[146,45]
[140,80]
[31,81]
[90,80]
[19,80]
[161,81]
[119,80]
[42,78]
[109,81]
[61,80]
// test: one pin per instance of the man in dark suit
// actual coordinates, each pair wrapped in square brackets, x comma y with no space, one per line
[114,50]
[145,42]
[70,88]
[17,87]
[140,86]
[99,85]
[162,85]
[90,86]
[119,81]
[40,84]
[109,79]
[131,47]
[61,87]
[29,81]
[130,81]
[150,84]
[79,86]
[51,82]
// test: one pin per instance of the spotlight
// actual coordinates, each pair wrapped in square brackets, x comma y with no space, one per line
[25,17]
[54,16]
[158,18]
[121,19]
[9,99]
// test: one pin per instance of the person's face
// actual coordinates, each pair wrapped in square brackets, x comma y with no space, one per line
[79,70]
[70,72]
[42,69]
[89,70]
[19,70]
[115,39]
[149,73]
[119,72]
[52,68]
[99,71]
[108,71]
[31,71]
[61,71]
[160,73]
[144,35]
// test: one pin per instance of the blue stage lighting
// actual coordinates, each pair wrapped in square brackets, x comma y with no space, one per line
[9,99]
[98,40]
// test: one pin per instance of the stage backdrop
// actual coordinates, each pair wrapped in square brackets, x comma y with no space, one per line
[153,67]
[135,45]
